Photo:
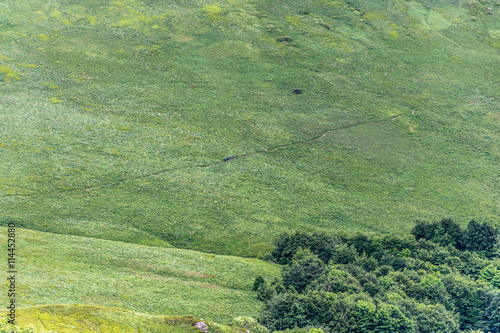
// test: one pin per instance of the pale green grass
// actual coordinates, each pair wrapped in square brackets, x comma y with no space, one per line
[62,269]
[86,318]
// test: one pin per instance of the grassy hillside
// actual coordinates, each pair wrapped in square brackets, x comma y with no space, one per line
[114,115]
[62,269]
[85,318]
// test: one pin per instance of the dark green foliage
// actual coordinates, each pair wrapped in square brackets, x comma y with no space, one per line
[423,230]
[385,284]
[481,238]
[287,244]
[449,232]
[431,318]
[432,290]
[344,254]
[468,299]
[284,311]
[362,243]
[338,281]
[318,305]
[391,319]
[370,283]
[383,270]
[395,245]
[473,263]
[304,269]
[372,288]
[368,263]
[307,329]
[405,281]
[444,232]
[362,315]
[265,292]
[496,248]
[344,315]
[391,260]
[491,315]
[259,280]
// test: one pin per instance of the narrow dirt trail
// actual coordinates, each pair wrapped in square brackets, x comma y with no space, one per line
[159,173]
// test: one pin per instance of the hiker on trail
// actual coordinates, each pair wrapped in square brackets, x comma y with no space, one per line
[229,156]
[265,150]
[244,154]
[236,156]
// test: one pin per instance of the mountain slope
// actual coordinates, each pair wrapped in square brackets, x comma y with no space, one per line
[116,113]
[85,318]
[72,270]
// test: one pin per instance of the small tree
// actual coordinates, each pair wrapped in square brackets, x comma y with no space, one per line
[305,268]
[423,230]
[448,232]
[481,238]
[259,280]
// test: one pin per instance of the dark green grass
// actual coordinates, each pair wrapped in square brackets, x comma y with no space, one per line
[129,103]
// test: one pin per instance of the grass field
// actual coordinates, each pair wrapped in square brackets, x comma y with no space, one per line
[62,269]
[115,117]
[86,318]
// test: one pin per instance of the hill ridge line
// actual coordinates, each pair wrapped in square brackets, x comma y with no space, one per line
[272,149]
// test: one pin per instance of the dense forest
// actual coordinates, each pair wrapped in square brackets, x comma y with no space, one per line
[438,279]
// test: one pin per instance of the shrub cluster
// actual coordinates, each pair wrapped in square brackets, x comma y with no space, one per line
[438,279]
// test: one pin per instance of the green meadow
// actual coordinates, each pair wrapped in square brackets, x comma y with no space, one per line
[74,270]
[86,318]
[115,118]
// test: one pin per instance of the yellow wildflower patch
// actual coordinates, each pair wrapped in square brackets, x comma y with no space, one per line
[213,12]
[55,100]
[10,73]
[42,37]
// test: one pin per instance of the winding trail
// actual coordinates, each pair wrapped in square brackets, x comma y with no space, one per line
[159,173]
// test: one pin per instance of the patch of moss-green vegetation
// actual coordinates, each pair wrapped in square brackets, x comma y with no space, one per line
[86,318]
[373,114]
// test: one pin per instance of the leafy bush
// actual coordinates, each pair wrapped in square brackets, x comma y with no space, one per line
[249,323]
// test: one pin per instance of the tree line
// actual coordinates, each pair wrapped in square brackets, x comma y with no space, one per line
[439,278]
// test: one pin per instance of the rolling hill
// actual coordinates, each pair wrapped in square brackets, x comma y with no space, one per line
[116,118]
